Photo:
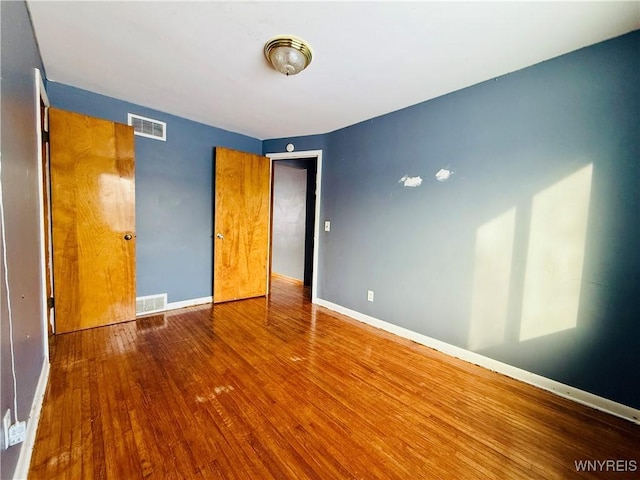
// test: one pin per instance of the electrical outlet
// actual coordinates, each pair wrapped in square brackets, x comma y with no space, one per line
[327,226]
[6,424]
[370,295]
[17,433]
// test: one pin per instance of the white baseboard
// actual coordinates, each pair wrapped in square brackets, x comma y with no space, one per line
[566,391]
[189,303]
[24,459]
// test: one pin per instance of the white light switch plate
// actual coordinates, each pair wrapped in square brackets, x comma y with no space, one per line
[327,226]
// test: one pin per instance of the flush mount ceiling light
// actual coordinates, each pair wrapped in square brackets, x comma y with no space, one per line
[287,54]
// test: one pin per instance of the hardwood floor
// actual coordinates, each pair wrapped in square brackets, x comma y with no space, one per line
[279,388]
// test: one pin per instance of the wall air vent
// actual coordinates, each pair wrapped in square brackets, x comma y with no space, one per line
[148,127]
[151,304]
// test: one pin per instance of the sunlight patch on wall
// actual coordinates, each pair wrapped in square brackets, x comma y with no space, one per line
[408,181]
[491,279]
[555,256]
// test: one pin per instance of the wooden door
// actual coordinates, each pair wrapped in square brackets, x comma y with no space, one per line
[46,212]
[242,220]
[93,220]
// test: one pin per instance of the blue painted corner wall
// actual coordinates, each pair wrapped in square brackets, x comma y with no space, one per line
[465,261]
[21,327]
[174,193]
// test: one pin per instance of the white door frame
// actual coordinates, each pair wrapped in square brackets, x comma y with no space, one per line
[304,155]
[45,250]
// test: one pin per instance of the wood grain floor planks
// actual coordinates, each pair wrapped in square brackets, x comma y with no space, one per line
[277,388]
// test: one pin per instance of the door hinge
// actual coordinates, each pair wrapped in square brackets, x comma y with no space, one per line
[50,302]
[45,136]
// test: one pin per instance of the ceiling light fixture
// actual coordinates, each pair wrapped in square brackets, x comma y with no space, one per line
[287,54]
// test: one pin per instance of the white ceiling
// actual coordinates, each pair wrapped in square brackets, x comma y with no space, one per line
[204,60]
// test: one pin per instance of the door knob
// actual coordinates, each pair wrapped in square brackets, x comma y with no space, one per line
[219,235]
[128,236]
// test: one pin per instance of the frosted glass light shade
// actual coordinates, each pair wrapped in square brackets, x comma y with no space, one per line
[288,55]
[287,60]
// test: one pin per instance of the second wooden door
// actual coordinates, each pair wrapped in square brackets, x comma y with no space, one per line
[242,223]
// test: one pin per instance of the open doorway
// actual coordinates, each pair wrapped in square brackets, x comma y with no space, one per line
[295,217]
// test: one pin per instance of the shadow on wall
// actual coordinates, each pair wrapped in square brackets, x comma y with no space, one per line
[544,298]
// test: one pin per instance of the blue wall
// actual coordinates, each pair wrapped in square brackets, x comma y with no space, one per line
[509,142]
[174,214]
[311,142]
[21,204]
